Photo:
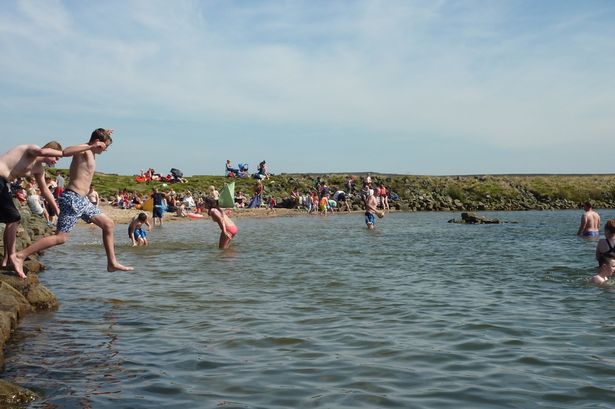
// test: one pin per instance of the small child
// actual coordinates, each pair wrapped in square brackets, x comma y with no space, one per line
[272,203]
[606,269]
[137,235]
[227,227]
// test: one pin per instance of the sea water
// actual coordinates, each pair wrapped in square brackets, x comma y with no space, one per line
[319,312]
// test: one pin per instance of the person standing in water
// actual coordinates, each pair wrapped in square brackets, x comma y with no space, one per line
[590,222]
[371,206]
[74,203]
[228,230]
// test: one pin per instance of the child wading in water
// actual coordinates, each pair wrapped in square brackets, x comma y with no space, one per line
[227,227]
[606,269]
[137,235]
[74,203]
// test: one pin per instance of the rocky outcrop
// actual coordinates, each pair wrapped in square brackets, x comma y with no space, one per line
[473,218]
[21,297]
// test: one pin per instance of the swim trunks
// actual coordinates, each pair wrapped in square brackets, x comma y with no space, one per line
[138,233]
[232,229]
[591,234]
[157,211]
[72,207]
[370,219]
[8,211]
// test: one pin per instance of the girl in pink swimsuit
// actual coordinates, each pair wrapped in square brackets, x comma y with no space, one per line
[227,227]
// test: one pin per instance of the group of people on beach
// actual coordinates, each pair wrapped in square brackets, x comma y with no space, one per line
[605,248]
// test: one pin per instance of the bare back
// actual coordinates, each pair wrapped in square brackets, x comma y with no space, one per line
[592,221]
[82,169]
[19,162]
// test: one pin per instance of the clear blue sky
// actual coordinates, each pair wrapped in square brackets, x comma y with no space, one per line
[419,87]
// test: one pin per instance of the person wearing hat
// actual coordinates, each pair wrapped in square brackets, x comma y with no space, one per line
[371,205]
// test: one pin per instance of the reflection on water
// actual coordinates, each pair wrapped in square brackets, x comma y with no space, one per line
[319,312]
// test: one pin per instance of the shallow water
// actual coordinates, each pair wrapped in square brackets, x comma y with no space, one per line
[311,312]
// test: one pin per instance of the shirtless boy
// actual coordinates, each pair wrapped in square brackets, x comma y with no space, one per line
[22,160]
[590,222]
[74,203]
[371,205]
[137,234]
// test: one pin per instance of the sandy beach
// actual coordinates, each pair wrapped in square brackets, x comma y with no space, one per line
[124,216]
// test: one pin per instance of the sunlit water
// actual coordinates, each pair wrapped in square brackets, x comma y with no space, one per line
[312,312]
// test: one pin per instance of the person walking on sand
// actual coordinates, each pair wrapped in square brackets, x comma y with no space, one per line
[74,203]
[590,222]
[20,161]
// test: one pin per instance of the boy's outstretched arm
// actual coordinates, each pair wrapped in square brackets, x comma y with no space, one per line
[75,149]
[45,152]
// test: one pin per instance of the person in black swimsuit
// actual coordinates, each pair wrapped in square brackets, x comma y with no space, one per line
[607,244]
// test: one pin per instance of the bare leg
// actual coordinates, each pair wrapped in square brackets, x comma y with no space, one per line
[39,245]
[10,236]
[106,224]
[225,241]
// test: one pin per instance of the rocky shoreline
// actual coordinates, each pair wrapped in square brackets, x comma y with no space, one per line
[21,297]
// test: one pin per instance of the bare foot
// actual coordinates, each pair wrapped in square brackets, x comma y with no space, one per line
[118,267]
[17,263]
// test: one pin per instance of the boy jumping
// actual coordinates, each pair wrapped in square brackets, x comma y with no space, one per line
[74,203]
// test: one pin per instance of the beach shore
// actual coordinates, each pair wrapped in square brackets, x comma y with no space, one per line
[124,216]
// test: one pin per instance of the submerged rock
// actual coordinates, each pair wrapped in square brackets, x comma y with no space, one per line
[13,395]
[473,218]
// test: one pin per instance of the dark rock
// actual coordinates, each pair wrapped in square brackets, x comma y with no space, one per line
[14,396]
[473,218]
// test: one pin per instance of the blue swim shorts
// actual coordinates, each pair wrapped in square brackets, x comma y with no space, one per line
[72,207]
[157,211]
[591,234]
[139,233]
[370,219]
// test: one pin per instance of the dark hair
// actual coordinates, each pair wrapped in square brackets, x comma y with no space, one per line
[210,202]
[605,258]
[142,217]
[102,135]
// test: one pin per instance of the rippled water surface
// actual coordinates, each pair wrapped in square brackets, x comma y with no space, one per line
[310,312]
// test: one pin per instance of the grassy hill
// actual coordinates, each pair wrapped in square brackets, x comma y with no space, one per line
[475,192]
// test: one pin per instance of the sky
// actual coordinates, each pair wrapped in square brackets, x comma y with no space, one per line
[410,87]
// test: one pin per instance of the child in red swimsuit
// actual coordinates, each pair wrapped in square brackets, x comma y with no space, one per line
[227,227]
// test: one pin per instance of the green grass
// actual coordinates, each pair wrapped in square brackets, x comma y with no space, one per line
[575,188]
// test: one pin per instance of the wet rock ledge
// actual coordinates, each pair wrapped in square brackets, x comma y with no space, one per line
[21,297]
